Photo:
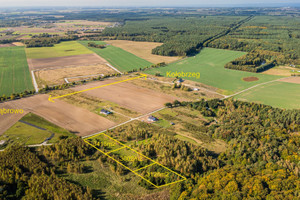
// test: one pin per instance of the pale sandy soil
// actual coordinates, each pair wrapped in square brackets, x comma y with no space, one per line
[142,50]
[295,79]
[56,76]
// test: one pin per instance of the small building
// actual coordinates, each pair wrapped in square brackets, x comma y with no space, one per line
[105,112]
[180,80]
[196,89]
[172,123]
[152,119]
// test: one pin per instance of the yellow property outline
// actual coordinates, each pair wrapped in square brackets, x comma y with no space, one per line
[134,171]
[52,98]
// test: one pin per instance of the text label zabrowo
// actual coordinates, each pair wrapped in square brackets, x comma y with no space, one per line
[183,74]
[4,111]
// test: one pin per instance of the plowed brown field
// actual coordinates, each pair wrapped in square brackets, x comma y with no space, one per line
[45,63]
[75,119]
[129,96]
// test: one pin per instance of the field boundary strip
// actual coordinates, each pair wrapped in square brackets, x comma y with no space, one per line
[69,94]
[134,171]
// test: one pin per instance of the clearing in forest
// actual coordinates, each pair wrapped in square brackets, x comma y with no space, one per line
[153,173]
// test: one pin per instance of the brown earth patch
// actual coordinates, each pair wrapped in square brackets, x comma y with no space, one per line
[294,79]
[250,79]
[143,50]
[72,118]
[133,97]
[6,45]
[56,76]
[46,63]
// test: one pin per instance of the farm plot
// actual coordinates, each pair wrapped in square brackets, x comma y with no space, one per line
[76,73]
[70,48]
[77,60]
[277,94]
[14,72]
[135,98]
[153,173]
[74,119]
[210,63]
[119,58]
[143,50]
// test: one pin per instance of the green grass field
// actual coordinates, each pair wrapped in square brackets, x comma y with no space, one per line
[277,94]
[119,58]
[26,134]
[70,48]
[14,72]
[210,63]
[41,122]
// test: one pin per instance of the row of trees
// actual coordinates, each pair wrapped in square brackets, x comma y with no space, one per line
[94,45]
[47,41]
[255,61]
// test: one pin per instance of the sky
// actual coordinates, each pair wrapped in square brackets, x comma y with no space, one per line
[137,3]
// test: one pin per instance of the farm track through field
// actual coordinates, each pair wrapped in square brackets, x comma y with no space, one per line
[226,97]
[201,88]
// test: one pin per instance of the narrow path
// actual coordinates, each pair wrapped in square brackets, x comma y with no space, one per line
[226,97]
[226,32]
[200,88]
[109,65]
[43,129]
[132,119]
[34,82]
[67,81]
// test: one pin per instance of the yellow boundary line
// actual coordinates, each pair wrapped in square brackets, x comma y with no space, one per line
[145,167]
[154,162]
[122,165]
[116,150]
[52,98]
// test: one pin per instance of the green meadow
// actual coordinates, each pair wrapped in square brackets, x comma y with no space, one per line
[27,134]
[117,57]
[14,72]
[70,48]
[277,94]
[210,63]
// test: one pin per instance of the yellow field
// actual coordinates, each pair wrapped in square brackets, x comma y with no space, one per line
[142,50]
[280,71]
[56,76]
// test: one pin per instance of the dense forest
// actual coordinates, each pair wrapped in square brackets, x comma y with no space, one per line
[261,160]
[181,36]
[279,36]
[184,36]
[23,172]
